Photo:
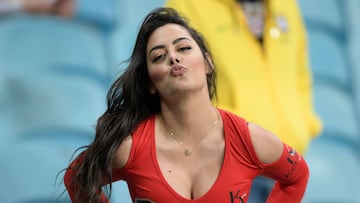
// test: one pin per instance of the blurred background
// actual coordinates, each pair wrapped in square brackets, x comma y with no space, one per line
[55,71]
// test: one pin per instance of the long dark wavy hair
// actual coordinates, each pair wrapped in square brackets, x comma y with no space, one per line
[129,102]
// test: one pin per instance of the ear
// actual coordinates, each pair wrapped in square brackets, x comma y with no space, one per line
[210,66]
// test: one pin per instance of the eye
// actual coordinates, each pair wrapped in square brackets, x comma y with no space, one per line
[158,58]
[185,48]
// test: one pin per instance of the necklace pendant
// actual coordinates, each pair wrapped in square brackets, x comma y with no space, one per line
[188,151]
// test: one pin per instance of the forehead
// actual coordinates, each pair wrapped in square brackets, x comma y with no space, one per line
[167,34]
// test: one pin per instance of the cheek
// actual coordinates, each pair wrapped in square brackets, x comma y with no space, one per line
[200,64]
[157,74]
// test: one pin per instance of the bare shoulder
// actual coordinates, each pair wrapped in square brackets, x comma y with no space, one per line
[268,147]
[123,153]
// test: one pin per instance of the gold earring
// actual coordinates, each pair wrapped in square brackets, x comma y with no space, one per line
[152,91]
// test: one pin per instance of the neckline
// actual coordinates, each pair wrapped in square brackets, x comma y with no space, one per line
[165,182]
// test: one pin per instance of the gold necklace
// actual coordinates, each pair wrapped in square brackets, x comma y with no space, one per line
[188,150]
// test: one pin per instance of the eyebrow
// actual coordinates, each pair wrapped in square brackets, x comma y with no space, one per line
[173,42]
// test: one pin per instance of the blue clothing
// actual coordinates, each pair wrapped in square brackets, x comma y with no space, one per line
[260,189]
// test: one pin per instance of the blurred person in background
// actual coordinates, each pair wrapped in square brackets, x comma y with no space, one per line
[31,6]
[260,49]
[101,12]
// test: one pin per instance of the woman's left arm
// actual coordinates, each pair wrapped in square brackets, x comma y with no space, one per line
[281,163]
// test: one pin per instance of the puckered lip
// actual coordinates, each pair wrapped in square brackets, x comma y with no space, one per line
[177,70]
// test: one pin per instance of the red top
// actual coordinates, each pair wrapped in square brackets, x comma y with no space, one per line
[240,166]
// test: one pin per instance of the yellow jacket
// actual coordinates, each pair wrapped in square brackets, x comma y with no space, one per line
[269,85]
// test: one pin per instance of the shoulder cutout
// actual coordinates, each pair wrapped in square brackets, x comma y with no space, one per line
[268,147]
[123,153]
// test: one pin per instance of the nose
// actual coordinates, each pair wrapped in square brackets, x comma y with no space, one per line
[174,59]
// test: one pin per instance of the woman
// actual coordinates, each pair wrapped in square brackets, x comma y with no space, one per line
[162,135]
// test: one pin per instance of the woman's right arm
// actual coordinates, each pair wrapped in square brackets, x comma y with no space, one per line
[121,158]
[69,175]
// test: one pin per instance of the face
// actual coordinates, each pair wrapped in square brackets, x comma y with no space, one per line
[175,62]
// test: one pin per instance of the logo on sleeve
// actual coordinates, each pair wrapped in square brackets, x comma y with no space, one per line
[293,159]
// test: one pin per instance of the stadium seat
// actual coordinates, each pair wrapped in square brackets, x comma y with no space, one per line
[68,43]
[29,170]
[353,17]
[330,64]
[332,84]
[54,80]
[61,83]
[333,157]
[334,172]
[331,17]
[336,109]
[51,100]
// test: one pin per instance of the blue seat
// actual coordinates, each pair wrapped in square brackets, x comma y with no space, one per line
[353,44]
[336,109]
[333,157]
[329,60]
[51,100]
[324,13]
[54,79]
[333,91]
[29,170]
[334,172]
[50,43]
[55,74]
